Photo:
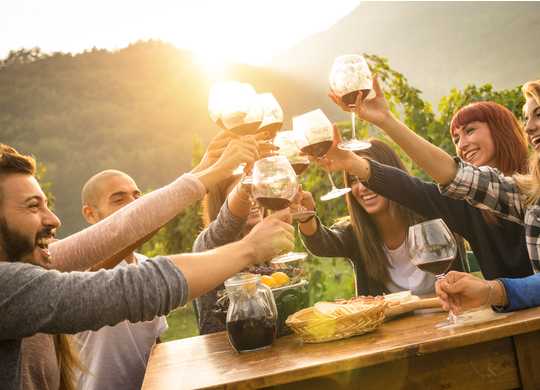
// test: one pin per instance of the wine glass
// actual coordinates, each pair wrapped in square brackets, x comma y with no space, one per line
[287,143]
[219,93]
[315,136]
[350,75]
[432,248]
[234,106]
[274,187]
[272,119]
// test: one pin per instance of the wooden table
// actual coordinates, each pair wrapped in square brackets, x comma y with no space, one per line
[405,353]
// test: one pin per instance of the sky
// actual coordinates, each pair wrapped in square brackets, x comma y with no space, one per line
[218,31]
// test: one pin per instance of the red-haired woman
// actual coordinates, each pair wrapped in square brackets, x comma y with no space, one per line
[484,133]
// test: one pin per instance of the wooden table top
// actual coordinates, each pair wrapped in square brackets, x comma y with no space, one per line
[209,361]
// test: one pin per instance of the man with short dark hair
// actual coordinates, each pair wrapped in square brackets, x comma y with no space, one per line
[34,299]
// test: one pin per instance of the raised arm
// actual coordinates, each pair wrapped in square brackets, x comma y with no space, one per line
[432,159]
[33,299]
[123,229]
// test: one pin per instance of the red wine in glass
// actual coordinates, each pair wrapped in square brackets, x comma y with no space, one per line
[439,267]
[300,168]
[274,203]
[350,98]
[318,149]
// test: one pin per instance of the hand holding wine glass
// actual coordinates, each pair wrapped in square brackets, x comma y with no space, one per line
[274,187]
[350,80]
[374,110]
[215,149]
[432,248]
[238,151]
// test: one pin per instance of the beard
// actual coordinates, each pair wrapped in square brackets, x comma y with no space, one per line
[16,246]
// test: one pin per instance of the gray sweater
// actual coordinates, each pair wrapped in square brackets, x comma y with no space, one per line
[33,299]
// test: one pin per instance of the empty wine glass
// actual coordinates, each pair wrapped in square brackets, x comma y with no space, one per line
[350,75]
[432,248]
[274,187]
[315,135]
[287,143]
[272,119]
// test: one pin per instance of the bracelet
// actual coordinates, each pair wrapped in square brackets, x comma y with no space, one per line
[307,219]
[488,299]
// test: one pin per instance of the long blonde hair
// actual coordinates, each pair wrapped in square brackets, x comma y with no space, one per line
[530,184]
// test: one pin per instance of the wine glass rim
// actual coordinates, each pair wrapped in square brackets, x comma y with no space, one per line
[429,222]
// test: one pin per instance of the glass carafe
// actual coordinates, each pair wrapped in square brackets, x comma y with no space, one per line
[252,313]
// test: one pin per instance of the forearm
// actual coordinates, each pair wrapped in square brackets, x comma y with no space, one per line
[359,166]
[432,159]
[128,225]
[77,301]
[239,202]
[327,242]
[223,230]
[204,271]
[521,293]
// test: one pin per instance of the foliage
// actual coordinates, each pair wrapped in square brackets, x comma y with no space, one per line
[41,173]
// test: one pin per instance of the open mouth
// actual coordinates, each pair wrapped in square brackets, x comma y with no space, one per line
[470,155]
[535,141]
[368,197]
[43,242]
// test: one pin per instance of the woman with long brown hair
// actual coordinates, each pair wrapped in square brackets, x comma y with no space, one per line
[373,236]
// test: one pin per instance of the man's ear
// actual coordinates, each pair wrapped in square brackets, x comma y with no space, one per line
[89,214]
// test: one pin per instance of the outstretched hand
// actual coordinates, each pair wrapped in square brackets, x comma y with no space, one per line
[238,151]
[271,237]
[335,159]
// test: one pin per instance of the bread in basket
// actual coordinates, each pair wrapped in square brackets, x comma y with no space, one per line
[326,321]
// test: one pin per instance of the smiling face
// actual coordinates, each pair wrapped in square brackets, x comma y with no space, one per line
[27,226]
[474,144]
[371,202]
[531,115]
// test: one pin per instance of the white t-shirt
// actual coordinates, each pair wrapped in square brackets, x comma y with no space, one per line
[404,275]
[116,356]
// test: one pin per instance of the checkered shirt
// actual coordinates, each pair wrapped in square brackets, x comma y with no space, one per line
[487,188]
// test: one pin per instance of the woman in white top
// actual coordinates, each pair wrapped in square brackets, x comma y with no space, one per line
[373,236]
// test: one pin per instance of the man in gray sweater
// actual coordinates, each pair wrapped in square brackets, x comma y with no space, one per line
[34,299]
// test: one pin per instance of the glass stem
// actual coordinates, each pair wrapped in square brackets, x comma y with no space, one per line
[353,124]
[331,180]
[452,318]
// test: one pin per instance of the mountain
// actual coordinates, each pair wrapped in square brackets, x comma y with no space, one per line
[436,45]
[138,109]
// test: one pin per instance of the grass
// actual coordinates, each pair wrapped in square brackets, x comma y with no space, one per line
[330,278]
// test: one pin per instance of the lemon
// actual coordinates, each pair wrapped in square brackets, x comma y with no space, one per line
[280,278]
[269,281]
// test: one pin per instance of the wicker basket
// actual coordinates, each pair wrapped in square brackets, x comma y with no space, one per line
[314,326]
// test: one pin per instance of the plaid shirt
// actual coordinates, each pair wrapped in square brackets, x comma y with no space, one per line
[487,188]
